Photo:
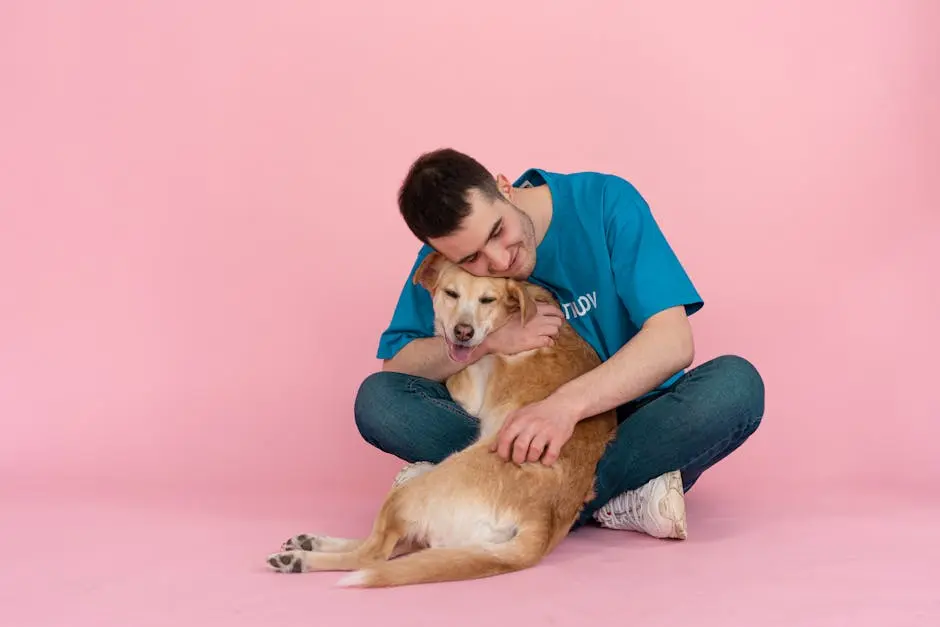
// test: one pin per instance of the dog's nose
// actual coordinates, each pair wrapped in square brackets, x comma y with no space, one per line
[463,332]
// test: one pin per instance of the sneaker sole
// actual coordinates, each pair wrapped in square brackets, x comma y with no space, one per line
[672,506]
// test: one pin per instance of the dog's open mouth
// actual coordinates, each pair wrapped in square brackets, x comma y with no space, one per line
[459,352]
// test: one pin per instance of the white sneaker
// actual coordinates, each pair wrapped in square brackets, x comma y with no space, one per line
[410,471]
[656,508]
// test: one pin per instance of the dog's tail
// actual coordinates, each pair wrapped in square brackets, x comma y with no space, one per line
[453,563]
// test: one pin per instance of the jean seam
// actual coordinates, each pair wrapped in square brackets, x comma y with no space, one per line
[450,407]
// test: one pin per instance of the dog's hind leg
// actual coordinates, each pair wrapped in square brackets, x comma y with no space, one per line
[376,548]
[329,544]
[455,563]
[386,534]
[324,544]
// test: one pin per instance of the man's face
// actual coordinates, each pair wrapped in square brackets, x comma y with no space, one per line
[496,239]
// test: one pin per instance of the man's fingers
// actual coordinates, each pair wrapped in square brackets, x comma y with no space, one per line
[536,448]
[547,329]
[554,450]
[520,448]
[548,326]
[501,435]
[550,310]
[506,439]
[502,443]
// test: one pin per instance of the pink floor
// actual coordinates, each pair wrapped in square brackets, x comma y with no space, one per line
[830,558]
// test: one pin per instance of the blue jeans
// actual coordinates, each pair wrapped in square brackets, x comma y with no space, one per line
[695,423]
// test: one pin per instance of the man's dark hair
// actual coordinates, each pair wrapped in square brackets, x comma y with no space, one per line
[433,197]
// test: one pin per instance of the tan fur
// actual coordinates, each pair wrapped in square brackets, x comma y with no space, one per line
[475,515]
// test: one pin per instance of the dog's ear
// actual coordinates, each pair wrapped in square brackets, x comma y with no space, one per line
[520,300]
[428,271]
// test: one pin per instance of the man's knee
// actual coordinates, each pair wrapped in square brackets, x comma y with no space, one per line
[743,388]
[377,393]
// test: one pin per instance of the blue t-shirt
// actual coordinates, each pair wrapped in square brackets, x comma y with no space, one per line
[603,257]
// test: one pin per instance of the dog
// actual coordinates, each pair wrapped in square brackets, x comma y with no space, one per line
[474,515]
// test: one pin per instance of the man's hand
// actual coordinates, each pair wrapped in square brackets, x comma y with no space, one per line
[537,431]
[428,357]
[539,332]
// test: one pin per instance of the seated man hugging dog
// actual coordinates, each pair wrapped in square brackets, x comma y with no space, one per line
[591,240]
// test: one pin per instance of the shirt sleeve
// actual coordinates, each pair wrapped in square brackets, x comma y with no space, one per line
[413,317]
[647,274]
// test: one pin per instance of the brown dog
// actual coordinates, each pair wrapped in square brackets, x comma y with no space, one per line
[475,515]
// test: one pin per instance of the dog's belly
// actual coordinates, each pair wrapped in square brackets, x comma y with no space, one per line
[458,522]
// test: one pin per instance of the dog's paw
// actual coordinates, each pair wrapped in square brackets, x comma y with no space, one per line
[302,542]
[287,562]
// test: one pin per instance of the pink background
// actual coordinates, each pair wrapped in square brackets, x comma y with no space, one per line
[188,191]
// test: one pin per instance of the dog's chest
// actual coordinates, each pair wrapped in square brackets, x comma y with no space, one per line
[469,389]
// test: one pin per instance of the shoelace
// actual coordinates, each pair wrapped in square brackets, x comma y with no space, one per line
[625,508]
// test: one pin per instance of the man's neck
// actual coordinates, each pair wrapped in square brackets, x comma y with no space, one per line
[535,202]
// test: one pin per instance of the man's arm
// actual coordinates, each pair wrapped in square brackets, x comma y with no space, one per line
[427,357]
[658,296]
[662,347]
[656,291]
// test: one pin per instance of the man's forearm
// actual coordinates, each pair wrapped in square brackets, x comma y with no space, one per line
[428,358]
[659,350]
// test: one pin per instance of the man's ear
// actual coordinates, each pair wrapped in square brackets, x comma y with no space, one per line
[428,271]
[520,300]
[504,186]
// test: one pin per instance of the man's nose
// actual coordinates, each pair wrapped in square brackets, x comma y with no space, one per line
[499,262]
[463,332]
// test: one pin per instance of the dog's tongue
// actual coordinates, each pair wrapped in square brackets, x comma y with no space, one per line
[459,353]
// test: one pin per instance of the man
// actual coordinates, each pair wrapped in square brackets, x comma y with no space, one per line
[589,238]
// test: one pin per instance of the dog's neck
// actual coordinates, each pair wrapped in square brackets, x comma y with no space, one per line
[475,397]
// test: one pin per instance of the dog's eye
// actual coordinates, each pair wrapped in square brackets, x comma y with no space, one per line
[486,300]
[451,293]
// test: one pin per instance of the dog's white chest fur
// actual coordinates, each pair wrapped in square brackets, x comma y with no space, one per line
[473,394]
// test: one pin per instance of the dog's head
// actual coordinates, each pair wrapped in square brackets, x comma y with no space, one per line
[467,308]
